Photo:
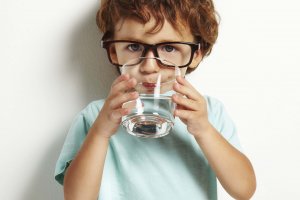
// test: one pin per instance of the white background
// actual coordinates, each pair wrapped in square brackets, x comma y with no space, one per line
[51,67]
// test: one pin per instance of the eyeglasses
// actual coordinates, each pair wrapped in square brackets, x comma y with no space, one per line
[121,51]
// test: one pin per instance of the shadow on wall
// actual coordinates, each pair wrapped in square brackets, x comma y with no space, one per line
[89,60]
[43,186]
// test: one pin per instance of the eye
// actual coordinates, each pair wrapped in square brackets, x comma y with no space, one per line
[168,48]
[135,47]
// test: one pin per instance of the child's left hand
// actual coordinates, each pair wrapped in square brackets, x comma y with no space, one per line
[191,107]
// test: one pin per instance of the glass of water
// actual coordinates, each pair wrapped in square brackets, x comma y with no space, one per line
[152,113]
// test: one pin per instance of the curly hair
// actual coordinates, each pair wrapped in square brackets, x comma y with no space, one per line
[199,15]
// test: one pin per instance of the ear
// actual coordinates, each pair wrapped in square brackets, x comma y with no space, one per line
[196,59]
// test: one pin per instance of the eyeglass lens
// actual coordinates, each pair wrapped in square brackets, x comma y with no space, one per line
[177,53]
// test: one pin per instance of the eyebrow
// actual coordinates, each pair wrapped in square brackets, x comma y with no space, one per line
[141,41]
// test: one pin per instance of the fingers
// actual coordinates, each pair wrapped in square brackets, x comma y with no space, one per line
[122,84]
[184,114]
[121,78]
[183,102]
[112,110]
[184,87]
[188,98]
[119,92]
[120,99]
[118,113]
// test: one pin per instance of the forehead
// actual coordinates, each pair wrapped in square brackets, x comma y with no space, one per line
[131,29]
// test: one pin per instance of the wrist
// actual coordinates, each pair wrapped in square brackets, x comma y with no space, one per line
[204,132]
[100,131]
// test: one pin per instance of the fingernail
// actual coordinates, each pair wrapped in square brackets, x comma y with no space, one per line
[130,81]
[175,113]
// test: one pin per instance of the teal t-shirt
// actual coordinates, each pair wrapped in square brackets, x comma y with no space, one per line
[169,168]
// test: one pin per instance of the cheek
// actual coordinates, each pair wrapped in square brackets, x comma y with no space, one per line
[170,75]
[133,73]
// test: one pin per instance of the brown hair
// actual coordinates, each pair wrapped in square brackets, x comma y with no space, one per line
[199,15]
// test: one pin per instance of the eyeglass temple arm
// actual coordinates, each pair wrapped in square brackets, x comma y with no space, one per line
[102,43]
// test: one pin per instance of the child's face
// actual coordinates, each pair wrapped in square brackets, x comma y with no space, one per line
[133,30]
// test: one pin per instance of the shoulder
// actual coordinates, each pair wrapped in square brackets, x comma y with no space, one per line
[214,105]
[222,121]
[218,115]
[94,106]
[91,111]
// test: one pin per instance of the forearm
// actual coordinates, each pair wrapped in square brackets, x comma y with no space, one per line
[232,168]
[83,176]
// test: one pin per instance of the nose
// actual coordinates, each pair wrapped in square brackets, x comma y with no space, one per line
[149,65]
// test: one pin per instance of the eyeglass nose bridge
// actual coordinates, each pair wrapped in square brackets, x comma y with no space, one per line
[148,47]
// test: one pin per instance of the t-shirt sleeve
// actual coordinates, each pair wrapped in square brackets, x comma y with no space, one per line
[221,120]
[72,144]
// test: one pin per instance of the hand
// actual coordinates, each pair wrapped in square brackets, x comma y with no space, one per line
[191,107]
[111,113]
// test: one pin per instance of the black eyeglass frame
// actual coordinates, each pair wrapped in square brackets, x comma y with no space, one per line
[153,47]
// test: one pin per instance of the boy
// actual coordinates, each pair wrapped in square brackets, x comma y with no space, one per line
[99,160]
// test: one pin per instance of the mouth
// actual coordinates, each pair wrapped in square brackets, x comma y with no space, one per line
[149,85]
[157,88]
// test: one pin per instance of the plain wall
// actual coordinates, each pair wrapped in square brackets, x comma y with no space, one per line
[51,67]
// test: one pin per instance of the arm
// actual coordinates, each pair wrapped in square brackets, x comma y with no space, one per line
[83,176]
[232,168]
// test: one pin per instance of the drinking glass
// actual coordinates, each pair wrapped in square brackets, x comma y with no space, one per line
[152,113]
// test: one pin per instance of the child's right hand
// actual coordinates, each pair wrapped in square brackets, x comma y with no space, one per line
[110,116]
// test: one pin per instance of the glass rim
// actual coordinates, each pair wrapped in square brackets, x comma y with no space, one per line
[174,67]
[161,61]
